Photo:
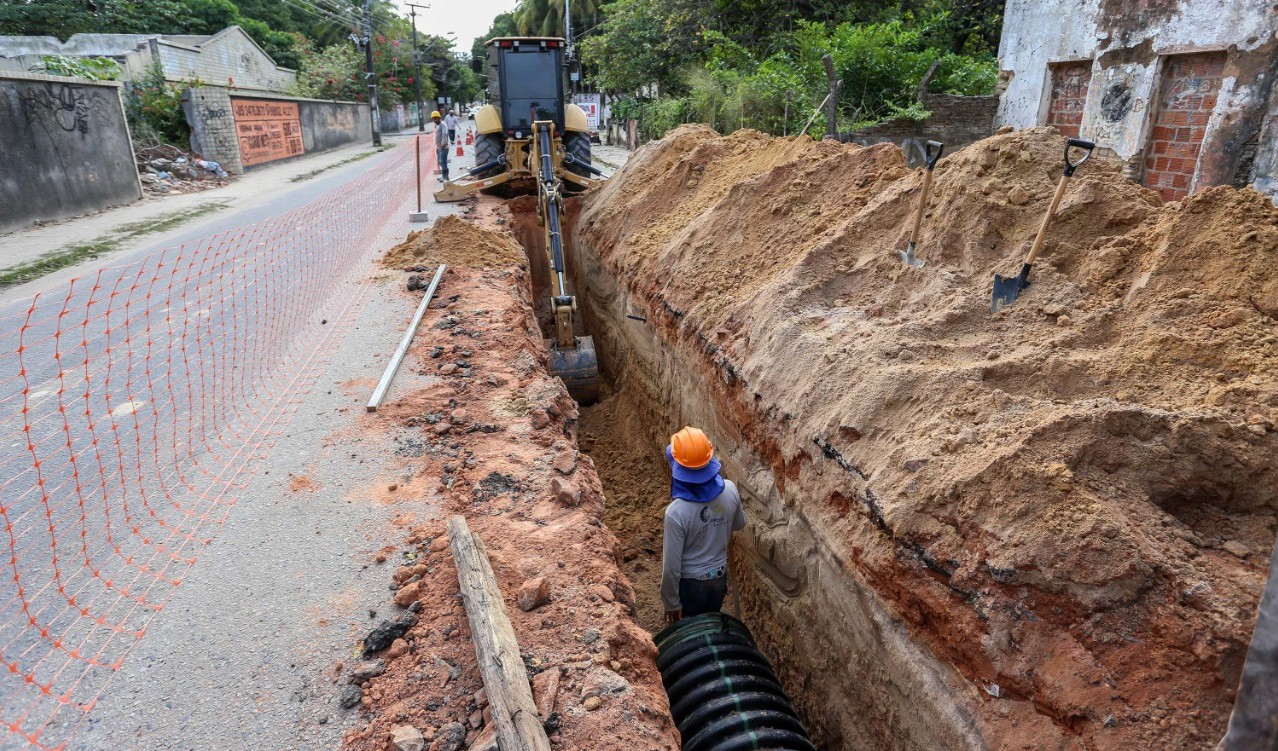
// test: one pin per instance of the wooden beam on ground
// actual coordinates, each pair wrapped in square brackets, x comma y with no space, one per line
[505,678]
[392,367]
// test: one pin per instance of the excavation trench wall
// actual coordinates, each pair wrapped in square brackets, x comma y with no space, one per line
[855,675]
[1041,529]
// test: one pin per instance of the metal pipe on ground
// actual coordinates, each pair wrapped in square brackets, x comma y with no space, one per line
[723,693]
[392,367]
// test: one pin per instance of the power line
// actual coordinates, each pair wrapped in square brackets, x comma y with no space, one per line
[314,13]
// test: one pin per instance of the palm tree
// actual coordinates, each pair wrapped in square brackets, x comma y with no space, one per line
[546,17]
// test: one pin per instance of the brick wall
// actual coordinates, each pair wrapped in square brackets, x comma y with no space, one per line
[955,121]
[1069,94]
[1189,87]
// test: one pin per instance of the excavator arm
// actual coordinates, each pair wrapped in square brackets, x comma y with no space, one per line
[572,357]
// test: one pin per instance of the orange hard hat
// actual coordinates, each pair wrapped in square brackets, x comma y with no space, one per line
[691,448]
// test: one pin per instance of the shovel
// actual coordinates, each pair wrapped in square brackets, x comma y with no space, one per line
[930,160]
[1008,288]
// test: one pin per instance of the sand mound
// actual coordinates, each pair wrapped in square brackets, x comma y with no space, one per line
[1072,500]
[456,242]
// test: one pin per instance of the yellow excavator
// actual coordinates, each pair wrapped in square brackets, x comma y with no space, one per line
[529,137]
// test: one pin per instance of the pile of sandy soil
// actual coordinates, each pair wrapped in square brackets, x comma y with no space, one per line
[1072,500]
[491,438]
[456,242]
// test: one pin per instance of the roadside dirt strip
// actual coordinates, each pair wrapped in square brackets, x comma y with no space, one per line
[493,439]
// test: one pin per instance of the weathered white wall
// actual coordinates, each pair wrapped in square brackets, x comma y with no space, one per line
[1127,40]
[228,58]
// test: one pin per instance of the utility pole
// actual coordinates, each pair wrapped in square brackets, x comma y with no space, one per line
[572,83]
[417,77]
[373,110]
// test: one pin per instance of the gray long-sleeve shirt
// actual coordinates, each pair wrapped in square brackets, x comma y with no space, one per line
[696,539]
[441,136]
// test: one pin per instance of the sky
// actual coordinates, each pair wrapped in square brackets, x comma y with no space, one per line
[465,18]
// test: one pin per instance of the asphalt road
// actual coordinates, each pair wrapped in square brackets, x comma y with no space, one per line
[152,413]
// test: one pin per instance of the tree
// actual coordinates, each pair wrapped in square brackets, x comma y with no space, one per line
[503,26]
[643,42]
[546,17]
[330,73]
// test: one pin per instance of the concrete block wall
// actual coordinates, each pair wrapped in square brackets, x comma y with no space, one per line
[324,125]
[955,121]
[66,149]
[229,58]
[208,112]
[1131,49]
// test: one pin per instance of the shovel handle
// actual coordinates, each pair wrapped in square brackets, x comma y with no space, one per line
[930,158]
[1077,143]
[1042,228]
[932,152]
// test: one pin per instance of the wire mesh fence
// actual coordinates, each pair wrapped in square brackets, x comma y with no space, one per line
[133,403]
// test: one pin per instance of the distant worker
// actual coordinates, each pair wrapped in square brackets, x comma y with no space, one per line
[706,510]
[450,122]
[441,145]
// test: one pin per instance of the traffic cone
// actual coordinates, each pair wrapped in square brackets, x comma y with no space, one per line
[459,150]
[470,137]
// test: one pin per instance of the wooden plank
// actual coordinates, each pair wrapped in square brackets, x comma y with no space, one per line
[505,678]
[392,367]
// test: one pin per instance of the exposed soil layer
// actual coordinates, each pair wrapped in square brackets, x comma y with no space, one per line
[494,442]
[636,489]
[1041,529]
[456,242]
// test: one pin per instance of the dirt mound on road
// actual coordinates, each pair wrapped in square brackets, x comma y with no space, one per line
[1070,501]
[456,242]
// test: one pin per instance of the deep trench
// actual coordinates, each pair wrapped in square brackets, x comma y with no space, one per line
[855,676]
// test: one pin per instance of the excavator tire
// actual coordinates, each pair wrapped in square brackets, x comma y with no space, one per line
[488,147]
[578,144]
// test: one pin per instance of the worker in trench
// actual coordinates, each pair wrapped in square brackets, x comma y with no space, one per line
[705,511]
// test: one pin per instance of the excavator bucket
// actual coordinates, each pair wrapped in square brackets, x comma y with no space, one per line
[579,369]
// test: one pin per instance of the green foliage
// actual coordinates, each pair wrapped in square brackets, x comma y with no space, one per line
[646,43]
[503,26]
[92,68]
[546,17]
[736,85]
[330,73]
[154,108]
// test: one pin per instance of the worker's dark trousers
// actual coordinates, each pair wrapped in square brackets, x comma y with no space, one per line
[442,153]
[702,595]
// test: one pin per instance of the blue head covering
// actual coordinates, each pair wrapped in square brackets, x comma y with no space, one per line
[700,485]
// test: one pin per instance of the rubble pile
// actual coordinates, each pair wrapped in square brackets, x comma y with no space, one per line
[165,169]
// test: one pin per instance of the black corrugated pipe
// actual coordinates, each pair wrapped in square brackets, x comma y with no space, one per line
[723,693]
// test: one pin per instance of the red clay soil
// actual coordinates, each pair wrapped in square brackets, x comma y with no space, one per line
[1072,502]
[492,439]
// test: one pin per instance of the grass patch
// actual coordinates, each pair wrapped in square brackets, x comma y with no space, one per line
[70,255]
[335,165]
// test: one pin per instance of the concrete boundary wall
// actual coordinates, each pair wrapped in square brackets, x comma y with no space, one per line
[267,125]
[66,149]
[955,121]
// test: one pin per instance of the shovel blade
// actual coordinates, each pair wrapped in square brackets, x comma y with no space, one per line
[1008,288]
[909,259]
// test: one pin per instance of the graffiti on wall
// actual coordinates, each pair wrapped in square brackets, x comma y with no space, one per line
[268,130]
[61,106]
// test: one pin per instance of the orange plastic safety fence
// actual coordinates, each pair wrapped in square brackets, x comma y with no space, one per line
[133,401]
